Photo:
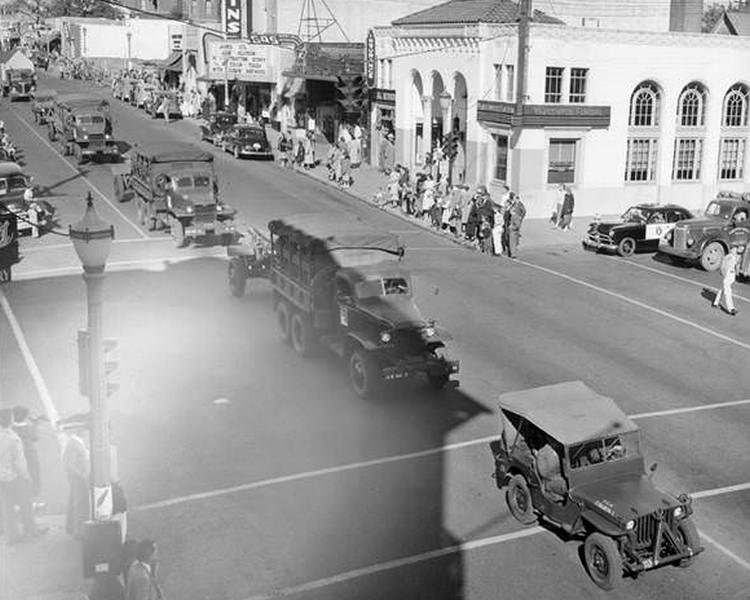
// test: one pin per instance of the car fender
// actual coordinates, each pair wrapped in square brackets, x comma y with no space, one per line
[367,344]
[600,523]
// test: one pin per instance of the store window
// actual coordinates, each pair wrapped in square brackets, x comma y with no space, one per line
[562,161]
[688,154]
[578,86]
[501,157]
[640,163]
[731,159]
[553,85]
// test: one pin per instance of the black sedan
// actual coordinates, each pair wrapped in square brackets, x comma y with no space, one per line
[216,125]
[247,140]
[639,229]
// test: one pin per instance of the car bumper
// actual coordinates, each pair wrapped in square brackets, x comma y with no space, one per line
[409,369]
[687,253]
[255,153]
[594,244]
[210,229]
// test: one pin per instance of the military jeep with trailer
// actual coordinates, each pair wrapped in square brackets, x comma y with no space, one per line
[174,186]
[82,126]
[708,238]
[599,490]
[340,284]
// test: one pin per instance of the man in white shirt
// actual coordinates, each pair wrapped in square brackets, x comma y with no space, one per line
[729,273]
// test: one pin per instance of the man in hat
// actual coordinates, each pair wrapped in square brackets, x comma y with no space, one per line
[729,273]
[481,209]
[515,212]
[388,153]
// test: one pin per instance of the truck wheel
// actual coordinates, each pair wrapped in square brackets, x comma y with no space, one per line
[363,373]
[301,334]
[688,532]
[51,134]
[284,320]
[518,498]
[237,279]
[712,256]
[603,561]
[178,233]
[626,247]
[236,152]
[119,189]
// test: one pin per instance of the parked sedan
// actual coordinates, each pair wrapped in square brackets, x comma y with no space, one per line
[215,126]
[247,140]
[639,229]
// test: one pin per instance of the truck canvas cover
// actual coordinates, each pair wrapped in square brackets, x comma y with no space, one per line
[347,241]
[44,95]
[76,102]
[174,152]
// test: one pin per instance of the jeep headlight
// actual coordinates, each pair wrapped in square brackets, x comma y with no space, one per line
[690,241]
[84,136]
[385,337]
[189,209]
[678,512]
[219,208]
[630,525]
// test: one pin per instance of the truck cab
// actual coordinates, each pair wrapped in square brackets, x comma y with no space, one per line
[19,84]
[82,126]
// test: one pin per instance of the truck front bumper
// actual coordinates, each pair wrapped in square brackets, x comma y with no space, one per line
[410,368]
[686,253]
[195,230]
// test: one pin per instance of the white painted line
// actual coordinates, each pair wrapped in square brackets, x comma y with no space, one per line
[28,357]
[740,561]
[244,487]
[729,489]
[637,303]
[122,215]
[38,249]
[398,563]
[675,277]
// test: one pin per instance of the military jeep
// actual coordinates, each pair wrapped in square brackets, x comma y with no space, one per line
[600,491]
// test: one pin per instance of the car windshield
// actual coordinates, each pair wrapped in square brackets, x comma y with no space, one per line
[90,120]
[719,209]
[198,181]
[253,135]
[382,286]
[634,215]
[604,450]
[225,120]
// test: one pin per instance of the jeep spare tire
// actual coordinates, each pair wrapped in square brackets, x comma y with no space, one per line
[712,256]
[518,498]
[603,561]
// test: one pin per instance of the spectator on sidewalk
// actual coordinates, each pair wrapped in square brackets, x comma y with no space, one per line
[356,146]
[566,210]
[141,579]
[515,212]
[556,208]
[283,150]
[15,484]
[388,153]
[26,428]
[76,462]
[309,149]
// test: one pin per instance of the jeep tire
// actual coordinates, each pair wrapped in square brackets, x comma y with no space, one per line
[626,247]
[712,256]
[284,320]
[688,532]
[301,334]
[237,279]
[363,373]
[518,498]
[603,560]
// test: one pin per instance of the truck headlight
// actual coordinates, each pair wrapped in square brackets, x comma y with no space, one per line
[677,512]
[107,136]
[630,525]
[84,137]
[429,331]
[188,209]
[690,241]
[219,208]
[385,337]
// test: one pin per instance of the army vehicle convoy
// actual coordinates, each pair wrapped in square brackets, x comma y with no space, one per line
[18,84]
[82,127]
[571,457]
[340,284]
[174,186]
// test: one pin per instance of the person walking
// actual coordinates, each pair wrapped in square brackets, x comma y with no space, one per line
[566,210]
[515,213]
[15,484]
[309,148]
[729,273]
[76,461]
[141,577]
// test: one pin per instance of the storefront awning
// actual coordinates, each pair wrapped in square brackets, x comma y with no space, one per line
[173,63]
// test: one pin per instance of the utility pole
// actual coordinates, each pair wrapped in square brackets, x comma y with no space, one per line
[524,17]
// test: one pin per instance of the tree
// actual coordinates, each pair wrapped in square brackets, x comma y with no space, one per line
[81,8]
[711,15]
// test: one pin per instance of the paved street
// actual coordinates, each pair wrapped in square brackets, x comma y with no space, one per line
[262,475]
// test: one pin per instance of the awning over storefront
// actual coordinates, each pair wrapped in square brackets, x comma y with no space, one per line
[173,63]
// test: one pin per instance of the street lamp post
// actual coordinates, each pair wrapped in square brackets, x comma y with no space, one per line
[92,239]
[446,103]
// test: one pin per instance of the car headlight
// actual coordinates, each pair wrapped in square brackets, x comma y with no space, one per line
[690,242]
[256,146]
[385,337]
[84,137]
[677,512]
[107,136]
[188,209]
[219,208]
[630,525]
[429,331]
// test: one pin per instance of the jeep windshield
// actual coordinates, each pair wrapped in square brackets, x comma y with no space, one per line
[605,450]
[720,209]
[195,181]
[382,286]
[15,183]
[89,120]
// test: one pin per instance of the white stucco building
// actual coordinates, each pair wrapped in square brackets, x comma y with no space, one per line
[622,116]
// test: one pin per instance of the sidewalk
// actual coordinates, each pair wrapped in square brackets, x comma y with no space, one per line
[369,181]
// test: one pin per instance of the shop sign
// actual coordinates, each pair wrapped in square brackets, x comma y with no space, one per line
[234,59]
[382,96]
[232,14]
[370,58]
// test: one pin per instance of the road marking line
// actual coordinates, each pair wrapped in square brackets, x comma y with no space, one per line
[729,489]
[38,249]
[677,277]
[395,458]
[138,230]
[28,357]
[637,303]
[398,563]
[740,561]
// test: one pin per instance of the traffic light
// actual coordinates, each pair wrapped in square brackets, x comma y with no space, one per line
[110,363]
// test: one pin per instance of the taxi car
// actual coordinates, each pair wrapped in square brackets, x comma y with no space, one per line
[600,491]
[247,141]
[640,228]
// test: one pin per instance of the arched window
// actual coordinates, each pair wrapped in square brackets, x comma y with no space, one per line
[645,104]
[691,107]
[734,113]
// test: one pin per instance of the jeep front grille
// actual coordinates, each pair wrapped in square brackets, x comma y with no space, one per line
[680,238]
[646,527]
[205,213]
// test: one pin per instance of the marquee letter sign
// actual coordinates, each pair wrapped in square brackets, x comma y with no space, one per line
[232,15]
